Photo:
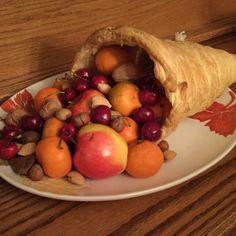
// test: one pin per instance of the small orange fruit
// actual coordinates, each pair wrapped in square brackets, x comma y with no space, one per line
[54,156]
[44,95]
[124,98]
[144,159]
[110,57]
[130,131]
[52,127]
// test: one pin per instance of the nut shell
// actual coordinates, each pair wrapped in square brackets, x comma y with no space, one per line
[21,165]
[36,172]
[76,178]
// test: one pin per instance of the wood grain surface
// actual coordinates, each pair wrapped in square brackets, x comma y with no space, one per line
[40,38]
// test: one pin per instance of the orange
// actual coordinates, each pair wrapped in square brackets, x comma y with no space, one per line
[54,156]
[144,159]
[130,131]
[110,57]
[52,127]
[44,95]
[124,98]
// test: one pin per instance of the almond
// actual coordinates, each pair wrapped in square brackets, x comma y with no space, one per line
[104,88]
[99,100]
[169,155]
[27,149]
[76,178]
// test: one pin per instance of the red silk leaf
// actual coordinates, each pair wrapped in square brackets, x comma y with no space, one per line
[221,118]
[23,100]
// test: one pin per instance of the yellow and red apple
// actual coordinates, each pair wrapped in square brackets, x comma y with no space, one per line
[100,152]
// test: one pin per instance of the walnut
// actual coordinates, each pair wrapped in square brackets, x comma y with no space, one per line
[14,117]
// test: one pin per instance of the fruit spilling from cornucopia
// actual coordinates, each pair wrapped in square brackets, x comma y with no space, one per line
[95,123]
[126,92]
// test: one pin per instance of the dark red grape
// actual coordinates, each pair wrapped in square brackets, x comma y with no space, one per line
[68,132]
[158,88]
[84,73]
[81,85]
[151,131]
[10,132]
[148,97]
[101,114]
[32,122]
[8,149]
[70,94]
[143,114]
[146,83]
[99,79]
[67,95]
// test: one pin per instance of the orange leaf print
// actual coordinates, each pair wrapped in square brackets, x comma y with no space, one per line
[220,118]
[22,100]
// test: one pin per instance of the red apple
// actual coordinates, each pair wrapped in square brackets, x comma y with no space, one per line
[100,152]
[82,102]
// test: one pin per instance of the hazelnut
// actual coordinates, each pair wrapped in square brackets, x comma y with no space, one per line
[36,172]
[63,114]
[164,145]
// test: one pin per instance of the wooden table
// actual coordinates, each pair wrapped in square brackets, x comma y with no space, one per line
[40,38]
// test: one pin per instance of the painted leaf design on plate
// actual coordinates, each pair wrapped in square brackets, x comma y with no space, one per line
[220,118]
[23,100]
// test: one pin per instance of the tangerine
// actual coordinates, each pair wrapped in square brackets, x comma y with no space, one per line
[54,156]
[110,57]
[44,95]
[130,132]
[52,127]
[145,158]
[124,98]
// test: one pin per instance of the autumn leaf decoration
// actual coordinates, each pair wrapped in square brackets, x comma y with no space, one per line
[220,118]
[23,100]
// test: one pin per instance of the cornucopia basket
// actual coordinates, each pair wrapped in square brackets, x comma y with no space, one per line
[192,75]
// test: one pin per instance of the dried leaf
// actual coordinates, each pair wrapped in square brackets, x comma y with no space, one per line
[221,118]
[22,100]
